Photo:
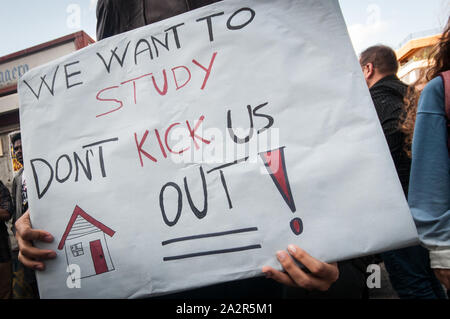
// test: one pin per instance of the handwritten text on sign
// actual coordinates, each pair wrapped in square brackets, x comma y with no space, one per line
[187,152]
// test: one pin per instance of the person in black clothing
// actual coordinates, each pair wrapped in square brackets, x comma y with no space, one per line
[409,268]
[117,16]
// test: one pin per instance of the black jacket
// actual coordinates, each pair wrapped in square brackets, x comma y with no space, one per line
[117,16]
[388,97]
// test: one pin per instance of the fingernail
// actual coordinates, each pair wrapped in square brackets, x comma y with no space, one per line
[48,238]
[281,255]
[292,249]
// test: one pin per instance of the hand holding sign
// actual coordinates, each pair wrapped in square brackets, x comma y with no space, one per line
[322,275]
[30,256]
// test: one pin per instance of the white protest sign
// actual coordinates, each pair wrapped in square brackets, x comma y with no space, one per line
[188,152]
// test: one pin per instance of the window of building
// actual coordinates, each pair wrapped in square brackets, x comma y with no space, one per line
[77,249]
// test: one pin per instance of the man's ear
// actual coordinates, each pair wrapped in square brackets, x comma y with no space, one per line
[368,70]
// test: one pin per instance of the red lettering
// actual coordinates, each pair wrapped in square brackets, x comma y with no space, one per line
[207,70]
[141,151]
[167,144]
[165,87]
[175,78]
[164,91]
[192,132]
[134,84]
[160,144]
[109,100]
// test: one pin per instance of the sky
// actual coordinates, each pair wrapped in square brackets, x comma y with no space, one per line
[27,23]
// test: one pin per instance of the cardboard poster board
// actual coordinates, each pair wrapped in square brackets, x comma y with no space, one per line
[187,152]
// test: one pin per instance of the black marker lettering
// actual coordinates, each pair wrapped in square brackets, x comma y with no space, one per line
[113,54]
[209,23]
[161,204]
[268,117]
[198,213]
[51,90]
[86,168]
[236,139]
[148,48]
[36,178]
[175,34]
[71,74]
[57,169]
[165,44]
[237,27]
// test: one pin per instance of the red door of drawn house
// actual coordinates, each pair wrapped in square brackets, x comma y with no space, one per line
[98,257]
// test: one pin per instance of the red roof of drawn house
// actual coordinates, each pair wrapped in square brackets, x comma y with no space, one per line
[79,212]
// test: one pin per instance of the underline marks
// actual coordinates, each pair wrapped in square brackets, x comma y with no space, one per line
[211,252]
[224,233]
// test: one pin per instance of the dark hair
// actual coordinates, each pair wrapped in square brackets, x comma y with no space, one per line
[440,56]
[438,61]
[15,138]
[382,57]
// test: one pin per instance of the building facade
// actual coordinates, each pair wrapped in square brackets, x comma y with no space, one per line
[413,54]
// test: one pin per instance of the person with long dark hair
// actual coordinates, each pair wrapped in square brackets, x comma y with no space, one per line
[426,129]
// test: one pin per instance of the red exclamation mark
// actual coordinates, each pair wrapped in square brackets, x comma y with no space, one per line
[296,226]
[276,166]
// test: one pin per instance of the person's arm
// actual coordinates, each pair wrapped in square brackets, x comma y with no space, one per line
[429,188]
[321,276]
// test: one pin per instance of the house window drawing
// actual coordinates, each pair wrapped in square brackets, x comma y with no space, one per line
[77,249]
[84,243]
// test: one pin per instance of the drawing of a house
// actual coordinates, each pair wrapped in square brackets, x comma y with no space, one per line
[84,242]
